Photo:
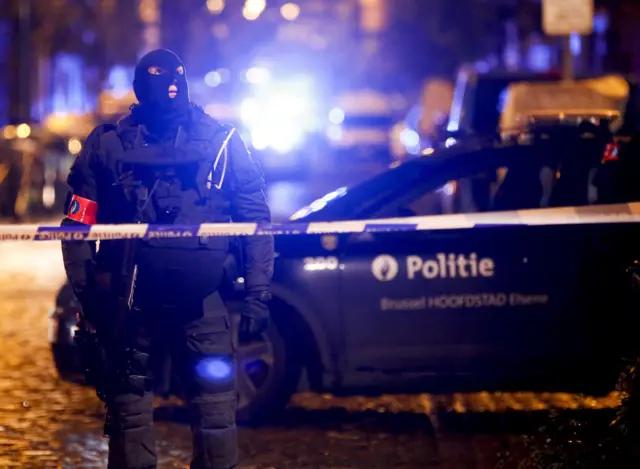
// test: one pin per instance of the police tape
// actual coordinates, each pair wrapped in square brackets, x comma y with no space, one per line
[593,214]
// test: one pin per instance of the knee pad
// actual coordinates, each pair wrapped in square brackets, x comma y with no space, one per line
[210,357]
[213,374]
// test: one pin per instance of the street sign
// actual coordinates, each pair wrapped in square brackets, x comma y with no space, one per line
[563,17]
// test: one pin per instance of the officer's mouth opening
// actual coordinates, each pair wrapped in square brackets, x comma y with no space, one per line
[173,91]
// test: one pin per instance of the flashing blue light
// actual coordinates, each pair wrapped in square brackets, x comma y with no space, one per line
[214,369]
[280,115]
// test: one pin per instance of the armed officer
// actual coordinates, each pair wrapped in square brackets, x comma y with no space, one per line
[167,162]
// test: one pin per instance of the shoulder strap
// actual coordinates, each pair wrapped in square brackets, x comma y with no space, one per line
[222,158]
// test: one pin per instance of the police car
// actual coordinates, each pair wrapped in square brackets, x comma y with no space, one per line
[481,307]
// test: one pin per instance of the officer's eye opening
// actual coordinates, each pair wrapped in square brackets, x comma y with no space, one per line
[180,70]
[154,70]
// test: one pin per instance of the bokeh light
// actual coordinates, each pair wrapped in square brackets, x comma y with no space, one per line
[213,79]
[23,131]
[9,132]
[74,146]
[290,11]
[253,9]
[257,75]
[336,116]
[334,133]
[215,6]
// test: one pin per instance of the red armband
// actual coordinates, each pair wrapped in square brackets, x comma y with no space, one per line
[82,210]
[611,153]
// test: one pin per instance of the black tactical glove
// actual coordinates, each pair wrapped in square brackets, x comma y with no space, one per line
[254,317]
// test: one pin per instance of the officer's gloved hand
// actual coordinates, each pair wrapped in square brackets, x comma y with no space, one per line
[254,317]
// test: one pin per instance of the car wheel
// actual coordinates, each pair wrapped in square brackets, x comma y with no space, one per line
[267,375]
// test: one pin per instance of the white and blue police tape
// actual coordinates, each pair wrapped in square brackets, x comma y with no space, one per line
[594,214]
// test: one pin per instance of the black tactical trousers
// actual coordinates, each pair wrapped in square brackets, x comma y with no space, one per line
[198,336]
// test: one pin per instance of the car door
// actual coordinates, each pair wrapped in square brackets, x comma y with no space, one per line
[458,301]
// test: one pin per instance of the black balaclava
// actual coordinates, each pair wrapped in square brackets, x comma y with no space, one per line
[154,74]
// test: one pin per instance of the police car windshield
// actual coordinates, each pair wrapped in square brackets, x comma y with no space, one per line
[364,200]
[353,201]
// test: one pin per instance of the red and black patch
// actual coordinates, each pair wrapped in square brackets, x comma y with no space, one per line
[611,153]
[82,210]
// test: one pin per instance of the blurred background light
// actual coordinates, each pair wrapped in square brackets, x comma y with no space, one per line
[258,75]
[215,6]
[249,111]
[290,11]
[9,132]
[334,133]
[74,146]
[23,131]
[575,44]
[213,79]
[409,137]
[220,30]
[260,138]
[253,9]
[411,140]
[225,74]
[336,116]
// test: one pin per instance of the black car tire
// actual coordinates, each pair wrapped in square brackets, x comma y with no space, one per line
[284,377]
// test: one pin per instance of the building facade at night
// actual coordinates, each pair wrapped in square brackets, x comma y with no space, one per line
[57,55]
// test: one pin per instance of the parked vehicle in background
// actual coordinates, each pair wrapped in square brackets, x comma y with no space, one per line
[477,103]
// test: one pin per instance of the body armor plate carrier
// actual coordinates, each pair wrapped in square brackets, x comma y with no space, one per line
[182,181]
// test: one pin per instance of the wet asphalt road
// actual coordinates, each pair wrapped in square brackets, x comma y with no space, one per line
[46,423]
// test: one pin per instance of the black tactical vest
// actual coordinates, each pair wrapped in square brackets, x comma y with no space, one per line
[180,181]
